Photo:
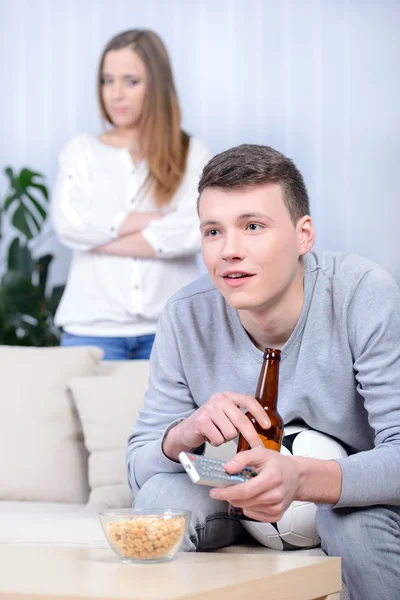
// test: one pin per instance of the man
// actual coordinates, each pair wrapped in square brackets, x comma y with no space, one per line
[336,319]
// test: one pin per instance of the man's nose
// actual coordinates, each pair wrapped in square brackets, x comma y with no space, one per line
[232,248]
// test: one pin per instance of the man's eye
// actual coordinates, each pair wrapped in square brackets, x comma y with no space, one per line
[254,226]
[105,80]
[211,232]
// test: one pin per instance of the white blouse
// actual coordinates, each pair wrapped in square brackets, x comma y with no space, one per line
[96,187]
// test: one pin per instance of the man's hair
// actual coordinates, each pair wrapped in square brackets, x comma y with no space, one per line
[249,165]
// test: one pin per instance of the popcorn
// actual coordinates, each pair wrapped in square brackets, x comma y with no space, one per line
[146,537]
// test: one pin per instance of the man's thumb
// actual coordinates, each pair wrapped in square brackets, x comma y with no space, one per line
[247,458]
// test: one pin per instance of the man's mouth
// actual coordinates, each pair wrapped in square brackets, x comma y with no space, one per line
[236,278]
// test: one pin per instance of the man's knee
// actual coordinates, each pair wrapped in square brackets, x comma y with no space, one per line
[210,526]
[171,490]
[367,540]
[358,531]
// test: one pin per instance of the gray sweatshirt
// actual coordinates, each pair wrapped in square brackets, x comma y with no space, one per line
[339,372]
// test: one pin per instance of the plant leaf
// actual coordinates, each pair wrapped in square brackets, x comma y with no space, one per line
[10,174]
[42,211]
[20,258]
[26,315]
[20,222]
[12,339]
[26,177]
[29,215]
[42,264]
[42,188]
[19,296]
[9,200]
[21,187]
[54,300]
[2,323]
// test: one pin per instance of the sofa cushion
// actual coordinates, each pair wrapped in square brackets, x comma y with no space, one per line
[108,407]
[42,455]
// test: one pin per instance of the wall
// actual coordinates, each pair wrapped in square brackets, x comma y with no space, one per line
[317,79]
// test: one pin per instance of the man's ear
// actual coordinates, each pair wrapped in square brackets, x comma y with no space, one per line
[306,234]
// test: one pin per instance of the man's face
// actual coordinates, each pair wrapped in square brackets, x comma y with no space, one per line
[250,246]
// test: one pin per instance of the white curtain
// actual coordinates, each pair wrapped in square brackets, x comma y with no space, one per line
[316,79]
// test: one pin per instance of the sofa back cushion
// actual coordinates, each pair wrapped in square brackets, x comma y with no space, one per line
[108,406]
[42,455]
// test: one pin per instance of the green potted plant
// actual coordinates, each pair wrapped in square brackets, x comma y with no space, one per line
[26,308]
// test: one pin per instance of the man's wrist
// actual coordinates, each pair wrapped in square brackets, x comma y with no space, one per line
[172,442]
[319,481]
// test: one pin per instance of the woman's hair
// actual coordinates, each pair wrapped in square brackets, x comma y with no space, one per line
[162,142]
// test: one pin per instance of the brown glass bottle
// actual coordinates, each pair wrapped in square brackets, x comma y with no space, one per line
[267,396]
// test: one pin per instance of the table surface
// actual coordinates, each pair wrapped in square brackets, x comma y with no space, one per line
[63,573]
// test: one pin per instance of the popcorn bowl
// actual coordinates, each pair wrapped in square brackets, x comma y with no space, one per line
[145,536]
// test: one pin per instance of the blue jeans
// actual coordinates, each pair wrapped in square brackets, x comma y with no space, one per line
[115,348]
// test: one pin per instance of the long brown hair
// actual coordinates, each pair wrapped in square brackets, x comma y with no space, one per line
[162,142]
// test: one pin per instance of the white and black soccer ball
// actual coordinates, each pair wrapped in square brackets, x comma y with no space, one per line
[296,529]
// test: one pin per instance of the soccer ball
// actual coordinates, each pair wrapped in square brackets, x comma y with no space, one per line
[296,529]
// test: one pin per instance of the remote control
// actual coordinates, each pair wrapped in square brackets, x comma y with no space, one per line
[209,471]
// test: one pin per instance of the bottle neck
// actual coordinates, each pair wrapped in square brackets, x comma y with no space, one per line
[267,387]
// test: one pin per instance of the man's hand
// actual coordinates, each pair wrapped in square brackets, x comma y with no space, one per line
[280,480]
[218,421]
[268,495]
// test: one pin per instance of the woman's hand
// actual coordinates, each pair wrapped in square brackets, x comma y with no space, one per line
[135,221]
[133,245]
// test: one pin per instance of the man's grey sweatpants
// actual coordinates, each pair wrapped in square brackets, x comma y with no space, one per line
[367,539]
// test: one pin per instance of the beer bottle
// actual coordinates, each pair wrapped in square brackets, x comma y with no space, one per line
[267,396]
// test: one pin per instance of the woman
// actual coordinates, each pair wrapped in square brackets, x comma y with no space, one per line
[126,203]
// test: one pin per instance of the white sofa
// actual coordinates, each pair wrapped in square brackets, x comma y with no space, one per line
[62,458]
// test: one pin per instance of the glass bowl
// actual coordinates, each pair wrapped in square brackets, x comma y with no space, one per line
[145,536]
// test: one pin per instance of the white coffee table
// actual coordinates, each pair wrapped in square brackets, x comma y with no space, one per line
[59,573]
